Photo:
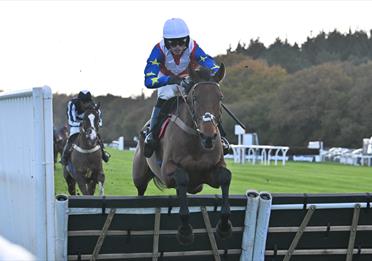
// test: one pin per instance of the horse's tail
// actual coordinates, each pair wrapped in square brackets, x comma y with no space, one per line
[158,183]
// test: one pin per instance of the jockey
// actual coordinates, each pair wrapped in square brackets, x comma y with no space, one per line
[75,112]
[166,71]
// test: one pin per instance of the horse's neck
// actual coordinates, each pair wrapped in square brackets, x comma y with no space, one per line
[184,112]
[81,142]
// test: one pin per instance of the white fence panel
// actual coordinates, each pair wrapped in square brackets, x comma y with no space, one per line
[26,170]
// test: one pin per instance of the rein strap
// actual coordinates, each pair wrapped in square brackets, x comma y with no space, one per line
[182,125]
[84,151]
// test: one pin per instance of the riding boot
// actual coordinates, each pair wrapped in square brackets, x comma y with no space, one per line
[105,155]
[224,141]
[151,139]
[67,150]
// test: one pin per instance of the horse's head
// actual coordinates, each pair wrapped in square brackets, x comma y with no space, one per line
[204,99]
[90,125]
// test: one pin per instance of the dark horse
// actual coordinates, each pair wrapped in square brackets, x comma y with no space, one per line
[60,137]
[190,153]
[85,164]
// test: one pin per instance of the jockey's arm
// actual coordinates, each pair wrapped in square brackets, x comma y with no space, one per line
[152,69]
[71,115]
[205,60]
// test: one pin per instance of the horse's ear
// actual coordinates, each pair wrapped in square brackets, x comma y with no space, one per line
[220,74]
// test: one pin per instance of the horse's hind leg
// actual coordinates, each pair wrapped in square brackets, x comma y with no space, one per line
[71,183]
[141,171]
[185,235]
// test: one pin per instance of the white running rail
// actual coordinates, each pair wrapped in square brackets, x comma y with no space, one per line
[26,170]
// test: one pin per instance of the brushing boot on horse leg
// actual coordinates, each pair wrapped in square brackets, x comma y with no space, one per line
[224,141]
[105,155]
[67,149]
[185,235]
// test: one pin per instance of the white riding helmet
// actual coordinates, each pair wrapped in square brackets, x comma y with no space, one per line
[175,28]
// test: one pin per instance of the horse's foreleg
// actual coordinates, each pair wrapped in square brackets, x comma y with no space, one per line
[91,187]
[185,235]
[71,183]
[101,181]
[223,176]
[82,183]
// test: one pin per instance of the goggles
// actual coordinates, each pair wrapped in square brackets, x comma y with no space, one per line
[175,42]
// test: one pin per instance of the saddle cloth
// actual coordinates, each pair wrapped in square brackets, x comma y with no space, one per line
[163,127]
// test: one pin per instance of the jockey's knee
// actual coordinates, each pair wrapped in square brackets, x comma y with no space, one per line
[160,102]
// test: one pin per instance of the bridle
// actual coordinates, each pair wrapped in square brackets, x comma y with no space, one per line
[90,133]
[191,105]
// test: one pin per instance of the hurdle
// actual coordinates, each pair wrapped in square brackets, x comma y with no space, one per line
[293,227]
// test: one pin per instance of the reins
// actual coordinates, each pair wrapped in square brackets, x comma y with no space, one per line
[190,110]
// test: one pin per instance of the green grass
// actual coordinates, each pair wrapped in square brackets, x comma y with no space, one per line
[295,177]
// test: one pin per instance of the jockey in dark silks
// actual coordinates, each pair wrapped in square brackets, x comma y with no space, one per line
[167,68]
[75,112]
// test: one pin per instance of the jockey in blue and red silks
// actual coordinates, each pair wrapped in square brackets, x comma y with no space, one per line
[167,68]
[76,108]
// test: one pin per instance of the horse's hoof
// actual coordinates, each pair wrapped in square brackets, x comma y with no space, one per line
[185,236]
[225,231]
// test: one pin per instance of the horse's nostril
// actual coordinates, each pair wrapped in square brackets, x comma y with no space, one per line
[208,142]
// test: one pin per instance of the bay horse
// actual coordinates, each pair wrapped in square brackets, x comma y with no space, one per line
[60,137]
[190,153]
[85,164]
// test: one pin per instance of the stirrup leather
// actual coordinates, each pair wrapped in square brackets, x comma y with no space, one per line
[225,145]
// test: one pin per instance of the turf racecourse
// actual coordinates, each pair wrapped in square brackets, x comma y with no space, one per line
[295,177]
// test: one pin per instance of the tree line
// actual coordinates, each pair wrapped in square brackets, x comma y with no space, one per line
[286,93]
[324,47]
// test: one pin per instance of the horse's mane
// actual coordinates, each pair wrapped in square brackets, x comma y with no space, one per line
[204,74]
[201,74]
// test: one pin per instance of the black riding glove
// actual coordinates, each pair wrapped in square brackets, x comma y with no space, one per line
[173,79]
[186,83]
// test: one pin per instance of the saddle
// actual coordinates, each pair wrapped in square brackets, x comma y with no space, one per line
[167,108]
